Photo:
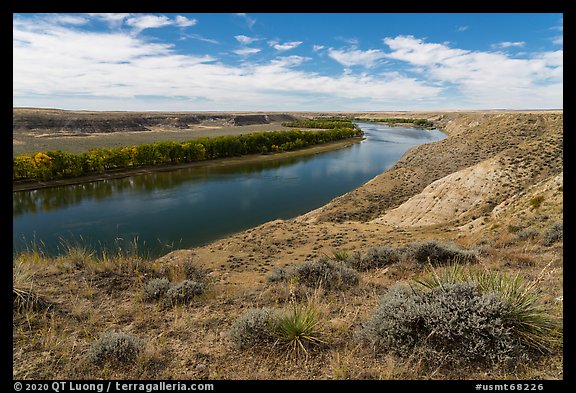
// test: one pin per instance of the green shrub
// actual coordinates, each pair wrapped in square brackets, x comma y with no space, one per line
[455,324]
[298,329]
[438,253]
[465,317]
[374,258]
[340,255]
[193,272]
[553,234]
[534,327]
[326,273]
[254,327]
[536,201]
[156,288]
[528,233]
[184,291]
[282,274]
[117,347]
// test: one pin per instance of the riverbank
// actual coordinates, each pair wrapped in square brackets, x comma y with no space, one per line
[220,162]
[494,187]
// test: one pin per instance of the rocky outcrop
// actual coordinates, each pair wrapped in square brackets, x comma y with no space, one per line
[529,145]
[51,120]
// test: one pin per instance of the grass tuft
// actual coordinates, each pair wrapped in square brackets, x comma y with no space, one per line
[298,329]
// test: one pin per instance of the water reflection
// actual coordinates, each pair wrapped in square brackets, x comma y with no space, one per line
[188,207]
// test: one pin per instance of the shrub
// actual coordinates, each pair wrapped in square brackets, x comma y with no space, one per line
[326,273]
[438,253]
[553,234]
[528,233]
[535,328]
[193,272]
[298,329]
[254,327]
[340,255]
[116,347]
[536,201]
[463,317]
[282,274]
[375,257]
[184,291]
[454,323]
[156,288]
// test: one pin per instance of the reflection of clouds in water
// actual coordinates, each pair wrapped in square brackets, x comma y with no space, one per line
[406,135]
[350,168]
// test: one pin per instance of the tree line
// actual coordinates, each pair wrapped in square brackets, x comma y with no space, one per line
[417,122]
[55,164]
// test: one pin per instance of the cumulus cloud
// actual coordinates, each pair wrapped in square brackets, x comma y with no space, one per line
[285,46]
[245,40]
[56,62]
[182,21]
[485,79]
[140,22]
[354,57]
[117,65]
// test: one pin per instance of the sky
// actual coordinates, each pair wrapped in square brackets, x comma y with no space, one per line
[288,62]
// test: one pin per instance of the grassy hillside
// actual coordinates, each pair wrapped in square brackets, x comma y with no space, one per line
[386,282]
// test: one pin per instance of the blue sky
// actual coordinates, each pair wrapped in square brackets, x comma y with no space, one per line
[288,62]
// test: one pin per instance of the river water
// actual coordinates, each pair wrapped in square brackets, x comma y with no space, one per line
[185,208]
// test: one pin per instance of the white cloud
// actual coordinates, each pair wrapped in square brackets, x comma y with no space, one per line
[66,19]
[245,40]
[60,65]
[317,48]
[249,20]
[509,44]
[485,79]
[121,67]
[200,38]
[246,51]
[112,18]
[348,40]
[559,39]
[141,22]
[462,28]
[182,21]
[353,57]
[285,46]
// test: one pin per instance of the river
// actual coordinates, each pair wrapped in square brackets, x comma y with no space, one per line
[184,208]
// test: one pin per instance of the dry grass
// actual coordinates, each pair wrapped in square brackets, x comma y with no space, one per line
[91,298]
[91,294]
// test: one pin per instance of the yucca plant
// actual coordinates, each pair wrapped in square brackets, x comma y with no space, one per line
[533,325]
[298,329]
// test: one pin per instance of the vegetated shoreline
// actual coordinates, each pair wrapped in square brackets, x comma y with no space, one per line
[505,220]
[219,162]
